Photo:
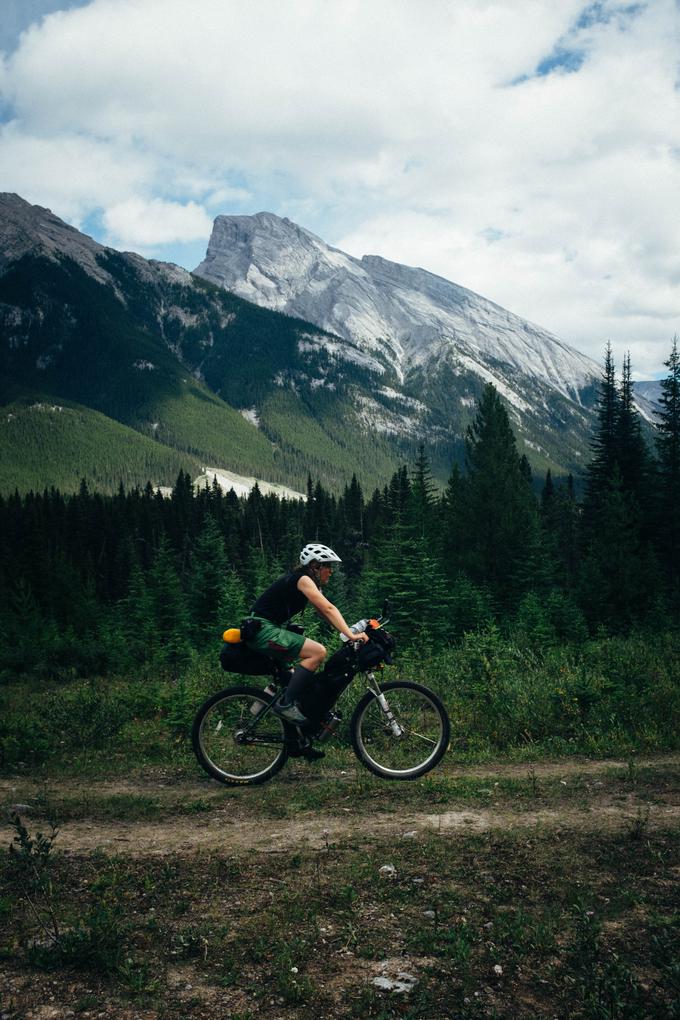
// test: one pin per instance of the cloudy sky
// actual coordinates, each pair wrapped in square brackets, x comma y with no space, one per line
[526,149]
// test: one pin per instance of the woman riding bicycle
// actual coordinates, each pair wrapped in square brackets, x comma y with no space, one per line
[282,600]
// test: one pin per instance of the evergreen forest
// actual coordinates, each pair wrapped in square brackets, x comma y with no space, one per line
[505,599]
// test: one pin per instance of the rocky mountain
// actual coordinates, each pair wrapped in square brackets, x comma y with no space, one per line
[368,359]
[198,377]
[647,395]
[431,343]
[406,317]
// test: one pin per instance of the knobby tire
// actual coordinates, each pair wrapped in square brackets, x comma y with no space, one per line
[424,740]
[216,733]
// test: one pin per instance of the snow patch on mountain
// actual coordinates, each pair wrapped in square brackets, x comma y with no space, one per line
[316,342]
[491,377]
[391,394]
[250,414]
[646,397]
[244,484]
[648,409]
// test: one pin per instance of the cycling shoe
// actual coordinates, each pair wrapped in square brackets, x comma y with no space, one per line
[291,713]
[304,749]
[312,754]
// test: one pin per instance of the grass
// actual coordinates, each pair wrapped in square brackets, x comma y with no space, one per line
[505,924]
[550,912]
[324,790]
[610,697]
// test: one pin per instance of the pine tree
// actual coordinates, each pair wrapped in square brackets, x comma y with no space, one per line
[495,507]
[181,509]
[139,620]
[422,499]
[618,574]
[319,515]
[532,624]
[560,519]
[349,540]
[354,506]
[605,441]
[232,606]
[208,568]
[448,539]
[470,607]
[403,571]
[668,453]
[171,618]
[548,493]
[398,495]
[631,451]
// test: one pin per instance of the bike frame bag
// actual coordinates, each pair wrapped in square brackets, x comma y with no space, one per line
[328,685]
[341,669]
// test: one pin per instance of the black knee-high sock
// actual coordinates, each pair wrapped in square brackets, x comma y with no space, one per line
[298,684]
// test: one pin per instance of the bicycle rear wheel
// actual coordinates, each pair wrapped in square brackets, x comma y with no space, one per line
[407,742]
[232,745]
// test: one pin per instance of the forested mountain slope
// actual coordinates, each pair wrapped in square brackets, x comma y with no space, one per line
[211,379]
[171,357]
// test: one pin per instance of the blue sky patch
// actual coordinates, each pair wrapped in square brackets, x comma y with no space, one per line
[561,59]
[566,59]
[18,15]
[598,14]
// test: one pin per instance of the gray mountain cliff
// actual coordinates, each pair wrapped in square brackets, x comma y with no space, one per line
[411,317]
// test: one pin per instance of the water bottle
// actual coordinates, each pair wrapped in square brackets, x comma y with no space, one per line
[329,725]
[356,628]
[257,706]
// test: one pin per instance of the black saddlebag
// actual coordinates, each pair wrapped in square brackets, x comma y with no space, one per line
[241,659]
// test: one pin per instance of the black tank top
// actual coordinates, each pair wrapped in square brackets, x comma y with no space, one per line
[282,599]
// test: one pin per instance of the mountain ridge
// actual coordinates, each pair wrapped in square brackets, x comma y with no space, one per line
[379,304]
[243,388]
[178,360]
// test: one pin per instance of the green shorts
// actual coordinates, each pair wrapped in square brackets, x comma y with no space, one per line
[276,642]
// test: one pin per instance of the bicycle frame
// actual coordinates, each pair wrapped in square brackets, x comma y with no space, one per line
[372,685]
[398,729]
[280,679]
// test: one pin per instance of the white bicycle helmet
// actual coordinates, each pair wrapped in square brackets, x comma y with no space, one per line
[318,552]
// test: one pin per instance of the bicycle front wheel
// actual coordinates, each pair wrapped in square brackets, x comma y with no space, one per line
[233,744]
[403,738]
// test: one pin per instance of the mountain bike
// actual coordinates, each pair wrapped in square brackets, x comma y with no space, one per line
[398,730]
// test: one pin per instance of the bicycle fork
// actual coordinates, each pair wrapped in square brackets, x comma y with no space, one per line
[390,719]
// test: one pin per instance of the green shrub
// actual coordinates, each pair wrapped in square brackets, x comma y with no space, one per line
[504,694]
[41,724]
[602,696]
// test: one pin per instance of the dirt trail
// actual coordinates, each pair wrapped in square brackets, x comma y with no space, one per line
[227,827]
[185,836]
[157,780]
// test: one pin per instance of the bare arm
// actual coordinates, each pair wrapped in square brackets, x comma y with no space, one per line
[326,609]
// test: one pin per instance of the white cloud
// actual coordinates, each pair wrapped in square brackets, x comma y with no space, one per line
[71,173]
[141,224]
[386,127]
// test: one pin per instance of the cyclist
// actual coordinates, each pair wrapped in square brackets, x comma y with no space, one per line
[282,600]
